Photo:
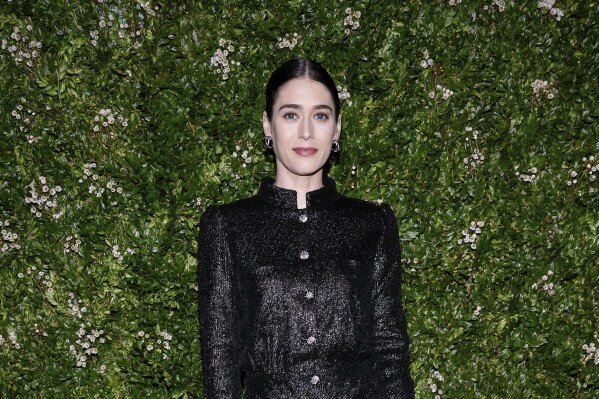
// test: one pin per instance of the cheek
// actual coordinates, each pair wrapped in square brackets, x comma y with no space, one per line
[283,131]
[327,130]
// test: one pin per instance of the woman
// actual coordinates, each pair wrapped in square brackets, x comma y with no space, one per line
[299,286]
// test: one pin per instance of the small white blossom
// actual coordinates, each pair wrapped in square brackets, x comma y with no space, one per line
[477,156]
[545,284]
[352,20]
[590,353]
[528,177]
[542,88]
[425,60]
[470,238]
[500,4]
[432,383]
[288,41]
[9,239]
[444,92]
[553,11]
[220,59]
[344,95]
[587,170]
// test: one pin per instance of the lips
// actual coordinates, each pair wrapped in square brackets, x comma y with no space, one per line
[305,150]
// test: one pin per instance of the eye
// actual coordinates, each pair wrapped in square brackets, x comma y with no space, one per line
[321,116]
[290,115]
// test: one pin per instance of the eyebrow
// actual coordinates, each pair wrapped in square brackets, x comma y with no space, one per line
[298,106]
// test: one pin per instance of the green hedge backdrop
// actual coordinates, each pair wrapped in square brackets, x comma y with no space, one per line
[122,120]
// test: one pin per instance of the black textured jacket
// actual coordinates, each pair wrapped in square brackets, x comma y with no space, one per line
[302,303]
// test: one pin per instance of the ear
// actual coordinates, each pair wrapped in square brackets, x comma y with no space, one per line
[265,124]
[338,128]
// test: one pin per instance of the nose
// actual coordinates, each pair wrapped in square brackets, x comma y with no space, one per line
[306,130]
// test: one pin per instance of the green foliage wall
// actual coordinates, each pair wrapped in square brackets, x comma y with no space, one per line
[122,120]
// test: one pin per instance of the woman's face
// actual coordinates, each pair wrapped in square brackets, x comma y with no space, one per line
[303,127]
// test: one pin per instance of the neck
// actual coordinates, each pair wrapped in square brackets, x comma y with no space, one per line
[300,184]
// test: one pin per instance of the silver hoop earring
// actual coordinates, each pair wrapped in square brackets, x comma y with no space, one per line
[336,146]
[268,142]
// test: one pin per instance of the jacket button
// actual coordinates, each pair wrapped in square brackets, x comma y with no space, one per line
[309,295]
[304,254]
[315,379]
[311,340]
[303,218]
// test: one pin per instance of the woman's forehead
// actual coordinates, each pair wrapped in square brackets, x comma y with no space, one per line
[305,89]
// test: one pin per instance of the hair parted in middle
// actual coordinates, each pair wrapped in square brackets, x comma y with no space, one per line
[298,68]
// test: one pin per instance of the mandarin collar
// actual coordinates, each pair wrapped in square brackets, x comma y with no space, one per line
[287,198]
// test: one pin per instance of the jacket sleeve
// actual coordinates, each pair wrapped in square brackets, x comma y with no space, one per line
[390,337]
[218,310]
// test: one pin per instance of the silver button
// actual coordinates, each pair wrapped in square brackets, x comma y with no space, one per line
[309,295]
[315,379]
[304,254]
[311,340]
[304,218]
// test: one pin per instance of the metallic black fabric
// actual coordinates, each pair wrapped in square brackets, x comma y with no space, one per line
[302,303]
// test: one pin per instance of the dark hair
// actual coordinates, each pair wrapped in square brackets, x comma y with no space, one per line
[297,68]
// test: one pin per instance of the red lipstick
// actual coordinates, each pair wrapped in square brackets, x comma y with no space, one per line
[305,150]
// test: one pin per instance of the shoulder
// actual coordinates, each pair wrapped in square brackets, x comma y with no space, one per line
[223,212]
[377,210]
[379,215]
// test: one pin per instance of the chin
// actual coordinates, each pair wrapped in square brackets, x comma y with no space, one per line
[303,167]
[306,171]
